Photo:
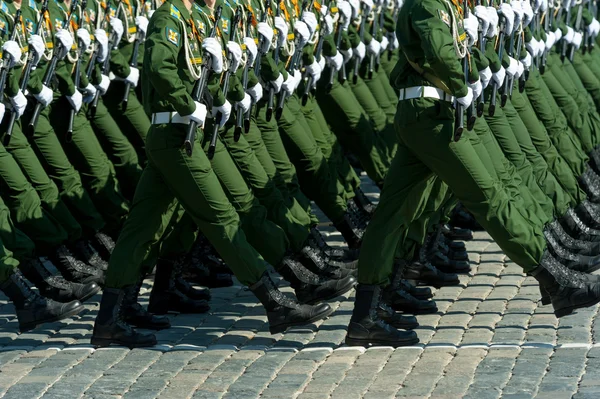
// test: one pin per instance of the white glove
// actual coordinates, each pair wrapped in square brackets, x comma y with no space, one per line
[45,96]
[518,10]
[314,70]
[355,4]
[117,26]
[251,50]
[199,114]
[509,17]
[236,55]
[527,12]
[102,40]
[84,36]
[65,40]
[384,44]
[513,66]
[557,35]
[309,18]
[520,69]
[484,18]
[133,77]
[359,51]
[394,44]
[322,63]
[543,5]
[471,25]
[493,19]
[89,93]
[277,83]
[212,46]
[150,13]
[373,47]
[75,101]
[266,32]
[345,10]
[532,45]
[302,31]
[18,102]
[297,78]
[37,45]
[256,92]
[593,27]
[570,35]
[103,85]
[142,24]
[245,103]
[2,111]
[466,100]
[335,62]
[347,54]
[498,77]
[477,88]
[368,3]
[13,49]
[541,46]
[327,25]
[485,75]
[577,39]
[323,10]
[289,85]
[282,30]
[550,40]
[527,60]
[536,6]
[225,111]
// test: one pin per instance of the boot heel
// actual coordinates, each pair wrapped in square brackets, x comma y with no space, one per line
[101,342]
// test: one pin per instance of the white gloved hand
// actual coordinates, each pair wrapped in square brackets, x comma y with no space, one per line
[327,25]
[323,10]
[251,49]
[345,10]
[133,77]
[527,60]
[314,70]
[277,83]
[368,4]
[518,10]
[150,13]
[557,35]
[466,100]
[359,51]
[485,75]
[245,103]
[543,5]
[224,110]
[355,4]
[102,40]
[593,27]
[289,85]
[13,49]
[336,62]
[103,85]
[38,46]
[322,63]
[577,39]
[66,42]
[347,54]
[84,36]
[199,114]
[89,93]
[302,31]
[570,35]
[266,33]
[550,40]
[541,47]
[498,77]
[282,30]
[484,19]
[213,47]
[509,18]
[45,96]
[297,78]
[527,12]
[236,55]
[142,24]
[309,18]
[493,19]
[384,44]
[532,45]
[117,26]
[18,102]
[373,47]
[256,92]
[477,88]
[471,25]
[2,111]
[536,6]
[75,100]
[520,69]
[513,66]
[394,44]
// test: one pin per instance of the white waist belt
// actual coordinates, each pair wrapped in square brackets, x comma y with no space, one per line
[169,117]
[424,92]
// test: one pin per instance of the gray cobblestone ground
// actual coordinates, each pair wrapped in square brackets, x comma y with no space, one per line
[490,339]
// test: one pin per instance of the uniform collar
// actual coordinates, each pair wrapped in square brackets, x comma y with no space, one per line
[178,4]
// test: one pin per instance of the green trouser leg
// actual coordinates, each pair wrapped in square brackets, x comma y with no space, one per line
[389,62]
[426,148]
[503,133]
[311,166]
[243,156]
[12,239]
[172,176]
[54,160]
[132,120]
[351,125]
[383,77]
[52,202]
[555,123]
[381,95]
[97,172]
[541,141]
[589,73]
[8,264]
[265,236]
[180,235]
[118,148]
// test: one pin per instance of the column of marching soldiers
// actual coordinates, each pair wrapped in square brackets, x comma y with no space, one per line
[187,140]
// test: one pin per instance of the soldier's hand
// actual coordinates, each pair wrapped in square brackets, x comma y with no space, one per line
[13,49]
[345,10]
[368,4]
[477,88]
[45,96]
[543,5]
[335,62]
[471,25]
[297,78]
[37,45]
[277,83]
[373,47]
[224,110]
[245,103]
[527,12]
[142,24]
[251,49]
[303,32]
[485,75]
[212,46]
[256,92]
[282,30]
[481,12]
[266,32]
[466,100]
[309,18]
[199,114]
[557,35]
[355,4]
[2,111]
[577,39]
[117,26]
[289,85]
[66,42]
[498,77]
[75,100]
[493,20]
[518,10]
[527,60]
[314,70]
[236,55]
[570,35]
[102,87]
[513,67]
[550,40]
[102,40]
[84,36]
[327,25]
[347,54]
[384,44]
[89,93]
[593,28]
[509,17]
[133,77]
[18,102]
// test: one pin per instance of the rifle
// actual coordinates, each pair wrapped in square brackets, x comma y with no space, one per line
[563,51]
[517,57]
[50,72]
[77,80]
[586,38]
[374,30]
[492,107]
[577,27]
[547,17]
[276,58]
[219,117]
[471,113]
[239,116]
[309,80]
[199,88]
[342,71]
[507,81]
[381,22]
[139,38]
[5,68]
[361,34]
[481,41]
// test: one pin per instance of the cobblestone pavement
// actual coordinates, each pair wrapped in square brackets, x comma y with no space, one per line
[490,339]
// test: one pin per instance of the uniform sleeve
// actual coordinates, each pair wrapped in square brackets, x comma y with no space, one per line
[437,44]
[492,56]
[64,71]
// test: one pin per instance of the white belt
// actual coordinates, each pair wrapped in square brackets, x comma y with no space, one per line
[169,117]
[424,92]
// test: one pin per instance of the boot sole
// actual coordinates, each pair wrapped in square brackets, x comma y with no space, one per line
[336,294]
[570,309]
[91,294]
[31,325]
[434,284]
[104,342]
[282,327]
[374,342]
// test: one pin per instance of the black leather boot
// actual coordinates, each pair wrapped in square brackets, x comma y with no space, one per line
[358,214]
[446,265]
[84,250]
[351,232]
[455,233]
[312,259]
[333,253]
[402,301]
[443,247]
[331,261]
[185,287]
[283,311]
[570,243]
[424,273]
[362,201]
[201,269]
[110,328]
[582,263]
[104,244]
[135,314]
[577,228]
[569,290]
[56,287]
[396,319]
[461,217]
[589,213]
[33,309]
[366,328]
[165,297]
[398,282]
[590,183]
[73,269]
[309,287]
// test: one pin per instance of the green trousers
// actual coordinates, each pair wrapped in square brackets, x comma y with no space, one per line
[8,264]
[589,73]
[13,239]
